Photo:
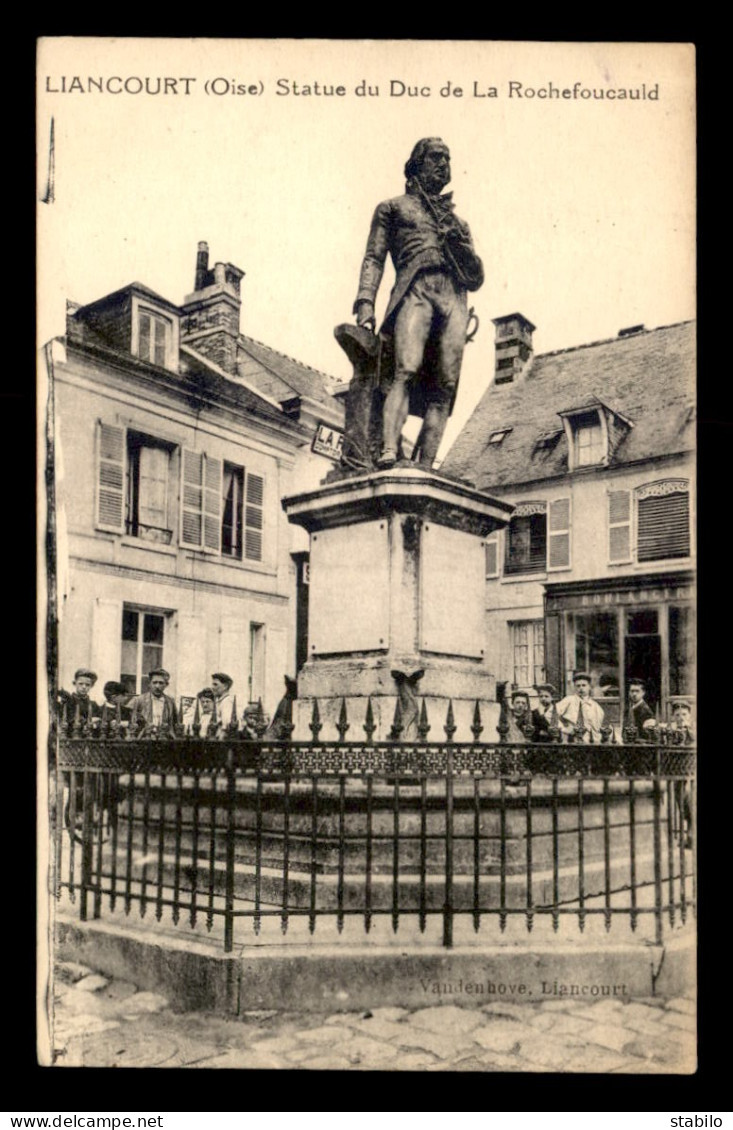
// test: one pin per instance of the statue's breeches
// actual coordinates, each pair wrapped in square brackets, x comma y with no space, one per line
[432,316]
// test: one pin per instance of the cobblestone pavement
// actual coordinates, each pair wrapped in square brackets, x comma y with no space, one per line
[104,1022]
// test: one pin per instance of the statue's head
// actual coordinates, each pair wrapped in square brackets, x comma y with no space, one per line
[430,163]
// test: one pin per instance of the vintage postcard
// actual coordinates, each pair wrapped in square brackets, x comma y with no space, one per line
[367,413]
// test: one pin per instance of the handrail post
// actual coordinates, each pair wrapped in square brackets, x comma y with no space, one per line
[231,832]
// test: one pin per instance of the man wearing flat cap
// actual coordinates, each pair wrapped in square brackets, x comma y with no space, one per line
[639,718]
[224,702]
[154,712]
[79,705]
[579,715]
[423,335]
[544,717]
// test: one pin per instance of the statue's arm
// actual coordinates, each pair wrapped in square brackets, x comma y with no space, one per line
[372,267]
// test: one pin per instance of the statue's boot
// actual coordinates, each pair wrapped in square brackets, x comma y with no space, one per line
[394,415]
[431,433]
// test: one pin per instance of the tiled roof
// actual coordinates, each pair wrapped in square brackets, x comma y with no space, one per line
[279,376]
[648,377]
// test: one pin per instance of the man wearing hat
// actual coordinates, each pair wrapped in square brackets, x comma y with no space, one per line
[154,711]
[639,718]
[115,705]
[681,727]
[544,717]
[579,715]
[224,701]
[78,704]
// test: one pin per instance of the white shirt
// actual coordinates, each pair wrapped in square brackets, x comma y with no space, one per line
[568,709]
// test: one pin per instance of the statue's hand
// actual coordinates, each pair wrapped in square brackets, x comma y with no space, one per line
[365,313]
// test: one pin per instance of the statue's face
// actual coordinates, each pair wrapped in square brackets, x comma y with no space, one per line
[434,172]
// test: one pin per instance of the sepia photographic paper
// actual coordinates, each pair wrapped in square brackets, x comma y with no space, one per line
[367,560]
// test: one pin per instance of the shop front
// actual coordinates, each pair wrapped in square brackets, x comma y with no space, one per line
[622,629]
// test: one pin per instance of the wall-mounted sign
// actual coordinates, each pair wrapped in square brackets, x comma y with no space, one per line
[328,441]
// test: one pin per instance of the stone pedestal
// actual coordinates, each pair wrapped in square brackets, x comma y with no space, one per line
[397,602]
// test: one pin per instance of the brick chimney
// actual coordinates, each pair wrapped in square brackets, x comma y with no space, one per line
[210,316]
[513,347]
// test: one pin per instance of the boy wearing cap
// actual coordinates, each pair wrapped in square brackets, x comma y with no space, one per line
[579,715]
[221,685]
[544,717]
[154,710]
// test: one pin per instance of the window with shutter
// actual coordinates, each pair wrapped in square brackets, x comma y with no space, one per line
[253,521]
[526,539]
[492,555]
[558,548]
[619,526]
[192,498]
[663,520]
[212,504]
[111,477]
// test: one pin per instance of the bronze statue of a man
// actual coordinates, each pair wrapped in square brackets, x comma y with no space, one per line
[424,330]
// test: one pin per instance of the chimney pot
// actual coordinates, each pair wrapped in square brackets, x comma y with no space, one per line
[513,348]
[202,265]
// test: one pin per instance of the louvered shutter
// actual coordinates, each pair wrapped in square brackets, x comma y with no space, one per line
[111,477]
[192,498]
[253,517]
[664,526]
[558,540]
[619,526]
[492,555]
[212,504]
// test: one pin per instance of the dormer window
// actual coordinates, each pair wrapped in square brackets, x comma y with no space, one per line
[590,446]
[499,436]
[155,333]
[594,432]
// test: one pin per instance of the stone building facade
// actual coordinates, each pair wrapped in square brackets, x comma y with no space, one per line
[176,438]
[594,446]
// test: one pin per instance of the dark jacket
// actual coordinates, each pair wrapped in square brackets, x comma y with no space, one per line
[637,716]
[542,725]
[406,229]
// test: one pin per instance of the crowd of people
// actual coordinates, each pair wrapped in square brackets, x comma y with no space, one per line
[212,713]
[578,717]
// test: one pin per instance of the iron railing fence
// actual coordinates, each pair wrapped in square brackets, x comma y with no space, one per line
[230,830]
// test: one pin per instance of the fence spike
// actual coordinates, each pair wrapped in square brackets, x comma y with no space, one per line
[476,727]
[343,723]
[260,722]
[315,725]
[450,725]
[423,726]
[369,723]
[397,726]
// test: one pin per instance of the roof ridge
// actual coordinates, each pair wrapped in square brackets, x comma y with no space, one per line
[608,340]
[302,364]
